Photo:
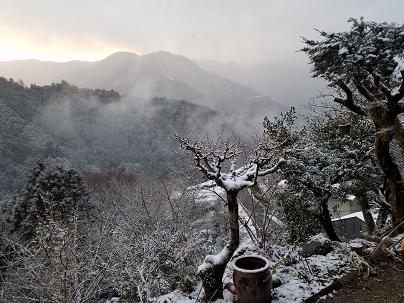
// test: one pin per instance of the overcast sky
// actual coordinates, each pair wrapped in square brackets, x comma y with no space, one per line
[243,31]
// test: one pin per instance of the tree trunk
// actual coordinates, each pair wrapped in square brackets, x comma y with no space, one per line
[326,222]
[213,268]
[234,232]
[382,218]
[367,215]
[394,180]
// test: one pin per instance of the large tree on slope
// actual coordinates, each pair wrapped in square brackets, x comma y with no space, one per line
[362,64]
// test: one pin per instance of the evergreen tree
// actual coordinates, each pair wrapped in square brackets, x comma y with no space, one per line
[363,64]
[51,181]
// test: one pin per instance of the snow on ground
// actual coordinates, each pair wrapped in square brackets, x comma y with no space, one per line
[207,193]
[196,296]
[210,197]
[303,277]
[179,297]
[300,277]
[283,184]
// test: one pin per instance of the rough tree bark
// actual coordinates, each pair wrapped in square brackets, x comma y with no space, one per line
[325,219]
[324,216]
[384,136]
[367,215]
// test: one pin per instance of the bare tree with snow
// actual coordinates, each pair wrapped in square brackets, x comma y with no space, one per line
[212,159]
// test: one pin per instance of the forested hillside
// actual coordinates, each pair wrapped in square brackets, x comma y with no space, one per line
[145,177]
[96,130]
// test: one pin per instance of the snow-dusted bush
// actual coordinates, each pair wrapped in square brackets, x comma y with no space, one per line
[160,237]
[63,260]
[301,216]
[138,241]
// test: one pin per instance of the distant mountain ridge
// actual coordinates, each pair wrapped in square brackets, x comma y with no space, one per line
[159,74]
[286,82]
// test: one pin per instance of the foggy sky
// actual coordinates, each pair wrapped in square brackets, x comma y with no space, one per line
[242,31]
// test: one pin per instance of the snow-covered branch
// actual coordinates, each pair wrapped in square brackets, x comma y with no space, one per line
[272,169]
[210,160]
[206,161]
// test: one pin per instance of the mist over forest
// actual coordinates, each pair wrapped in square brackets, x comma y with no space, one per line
[123,118]
[229,153]
[95,130]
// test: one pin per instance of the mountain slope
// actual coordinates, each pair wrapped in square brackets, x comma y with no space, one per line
[156,74]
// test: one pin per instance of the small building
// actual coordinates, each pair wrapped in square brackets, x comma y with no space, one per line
[349,226]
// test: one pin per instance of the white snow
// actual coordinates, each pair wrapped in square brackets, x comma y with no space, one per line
[350,197]
[342,51]
[178,297]
[113,300]
[211,260]
[358,215]
[176,195]
[277,221]
[359,243]
[300,277]
[283,184]
[308,276]
[207,194]
[320,238]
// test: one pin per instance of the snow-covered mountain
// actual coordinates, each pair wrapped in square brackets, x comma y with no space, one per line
[156,74]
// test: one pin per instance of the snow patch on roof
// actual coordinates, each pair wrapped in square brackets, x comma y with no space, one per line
[357,214]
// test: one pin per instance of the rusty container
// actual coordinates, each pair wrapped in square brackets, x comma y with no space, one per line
[252,279]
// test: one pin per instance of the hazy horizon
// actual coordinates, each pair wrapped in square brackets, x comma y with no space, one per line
[253,43]
[242,32]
